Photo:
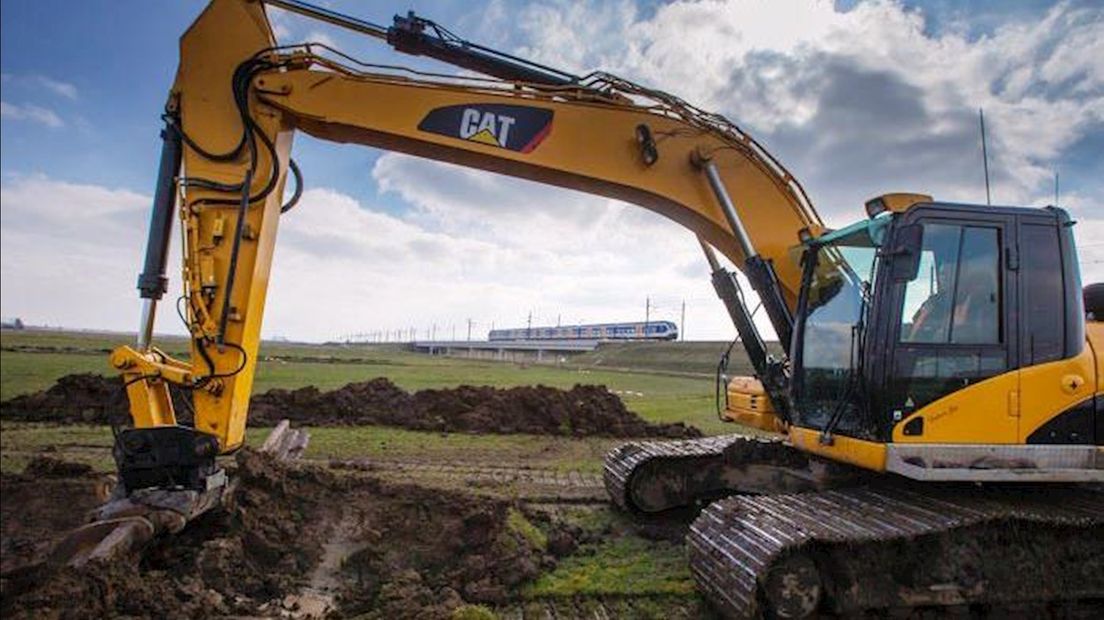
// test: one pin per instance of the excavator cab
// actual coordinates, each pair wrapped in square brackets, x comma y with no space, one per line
[925,325]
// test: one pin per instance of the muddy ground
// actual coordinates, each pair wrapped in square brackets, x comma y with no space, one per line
[584,410]
[298,541]
[83,398]
[307,541]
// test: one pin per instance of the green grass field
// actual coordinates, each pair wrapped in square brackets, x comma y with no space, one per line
[676,357]
[19,442]
[656,397]
[32,360]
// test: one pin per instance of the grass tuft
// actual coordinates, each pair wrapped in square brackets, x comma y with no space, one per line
[518,524]
[621,567]
[472,612]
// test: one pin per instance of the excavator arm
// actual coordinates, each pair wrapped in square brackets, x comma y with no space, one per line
[237,100]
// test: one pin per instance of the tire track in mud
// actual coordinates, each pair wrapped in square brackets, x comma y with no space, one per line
[543,485]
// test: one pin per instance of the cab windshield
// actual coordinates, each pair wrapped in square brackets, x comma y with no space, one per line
[837,295]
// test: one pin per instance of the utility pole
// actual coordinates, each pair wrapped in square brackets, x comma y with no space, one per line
[469,329]
[647,312]
[529,327]
[452,331]
[1056,188]
[682,322]
[434,335]
[558,320]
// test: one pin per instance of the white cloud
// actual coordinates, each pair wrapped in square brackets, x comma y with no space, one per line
[857,102]
[377,271]
[317,36]
[58,87]
[32,113]
[70,254]
[289,27]
[280,22]
[42,82]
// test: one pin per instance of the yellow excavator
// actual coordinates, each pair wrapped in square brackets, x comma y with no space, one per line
[930,438]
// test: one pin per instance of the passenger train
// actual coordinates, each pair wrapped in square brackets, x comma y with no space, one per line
[652,330]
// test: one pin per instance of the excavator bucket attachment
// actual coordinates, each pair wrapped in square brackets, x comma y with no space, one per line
[126,523]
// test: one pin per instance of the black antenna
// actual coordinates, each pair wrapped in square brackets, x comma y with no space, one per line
[985,156]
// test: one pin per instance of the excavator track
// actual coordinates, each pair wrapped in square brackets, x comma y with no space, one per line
[656,476]
[899,549]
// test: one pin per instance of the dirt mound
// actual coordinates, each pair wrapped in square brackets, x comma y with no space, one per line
[51,496]
[584,410]
[378,401]
[84,398]
[297,540]
[43,466]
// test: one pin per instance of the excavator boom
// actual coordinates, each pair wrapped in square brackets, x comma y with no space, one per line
[238,99]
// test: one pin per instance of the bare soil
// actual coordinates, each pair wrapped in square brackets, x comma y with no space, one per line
[295,541]
[83,398]
[51,496]
[584,410]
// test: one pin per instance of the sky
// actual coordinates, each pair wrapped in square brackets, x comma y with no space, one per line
[855,98]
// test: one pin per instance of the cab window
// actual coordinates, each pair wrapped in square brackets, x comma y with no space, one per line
[955,297]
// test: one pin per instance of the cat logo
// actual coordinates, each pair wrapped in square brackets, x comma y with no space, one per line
[513,127]
[481,127]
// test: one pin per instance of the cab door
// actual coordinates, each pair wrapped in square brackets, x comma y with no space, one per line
[951,374]
[1057,372]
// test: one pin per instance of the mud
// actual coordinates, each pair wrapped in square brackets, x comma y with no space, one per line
[84,398]
[295,541]
[51,496]
[584,410]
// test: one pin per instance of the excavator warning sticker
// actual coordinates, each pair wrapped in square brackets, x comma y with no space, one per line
[514,127]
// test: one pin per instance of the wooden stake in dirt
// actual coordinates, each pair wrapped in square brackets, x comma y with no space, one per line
[286,443]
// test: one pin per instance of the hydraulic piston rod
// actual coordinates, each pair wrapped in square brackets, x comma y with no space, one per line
[729,209]
[724,282]
[759,272]
[152,282]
